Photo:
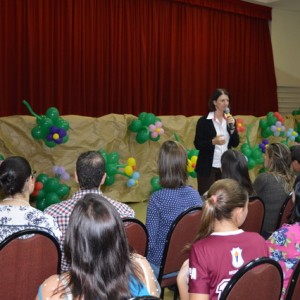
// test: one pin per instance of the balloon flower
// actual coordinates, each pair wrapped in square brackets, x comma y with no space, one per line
[155,184]
[240,125]
[51,128]
[147,127]
[263,145]
[270,120]
[192,161]
[48,191]
[291,135]
[278,129]
[253,154]
[113,168]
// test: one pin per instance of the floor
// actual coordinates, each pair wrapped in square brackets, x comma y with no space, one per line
[140,213]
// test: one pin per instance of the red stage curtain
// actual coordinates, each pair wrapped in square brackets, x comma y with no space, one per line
[95,57]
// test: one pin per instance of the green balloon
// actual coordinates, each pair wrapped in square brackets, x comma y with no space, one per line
[193,174]
[49,144]
[136,126]
[193,152]
[297,139]
[142,116]
[109,180]
[251,163]
[113,157]
[1,157]
[63,190]
[47,123]
[256,154]
[42,178]
[155,183]
[142,136]
[41,119]
[51,185]
[37,133]
[111,169]
[260,160]
[52,198]
[154,139]
[271,120]
[104,154]
[41,204]
[149,119]
[246,150]
[52,113]
[65,139]
[61,123]
[40,196]
[263,123]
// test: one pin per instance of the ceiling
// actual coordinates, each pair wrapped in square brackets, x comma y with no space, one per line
[291,5]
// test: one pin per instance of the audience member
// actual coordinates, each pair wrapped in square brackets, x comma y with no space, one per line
[90,175]
[234,165]
[220,248]
[274,185]
[284,244]
[295,157]
[17,183]
[168,203]
[215,133]
[98,251]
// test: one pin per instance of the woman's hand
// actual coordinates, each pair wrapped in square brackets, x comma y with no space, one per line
[219,140]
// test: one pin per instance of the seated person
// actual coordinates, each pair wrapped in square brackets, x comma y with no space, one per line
[220,248]
[284,243]
[98,252]
[17,183]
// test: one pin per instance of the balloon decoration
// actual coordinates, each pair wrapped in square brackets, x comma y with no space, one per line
[51,128]
[49,190]
[263,145]
[297,139]
[147,127]
[291,135]
[269,125]
[240,125]
[113,167]
[192,161]
[296,112]
[253,154]
[155,184]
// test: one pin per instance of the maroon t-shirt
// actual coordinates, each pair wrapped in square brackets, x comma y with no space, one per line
[216,258]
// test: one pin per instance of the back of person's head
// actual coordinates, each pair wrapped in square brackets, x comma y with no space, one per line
[222,198]
[14,171]
[90,169]
[295,215]
[278,163]
[97,248]
[295,153]
[172,165]
[216,94]
[234,165]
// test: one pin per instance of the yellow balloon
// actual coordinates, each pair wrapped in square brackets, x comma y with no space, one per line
[131,161]
[194,159]
[128,170]
[190,169]
[55,136]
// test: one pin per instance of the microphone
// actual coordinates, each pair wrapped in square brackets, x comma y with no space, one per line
[227,114]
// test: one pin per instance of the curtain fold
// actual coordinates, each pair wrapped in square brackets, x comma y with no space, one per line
[96,57]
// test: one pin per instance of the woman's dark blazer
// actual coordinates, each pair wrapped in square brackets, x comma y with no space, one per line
[205,132]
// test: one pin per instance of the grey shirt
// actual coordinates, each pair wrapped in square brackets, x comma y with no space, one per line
[273,195]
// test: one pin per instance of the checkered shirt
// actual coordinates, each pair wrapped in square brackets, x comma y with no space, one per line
[61,214]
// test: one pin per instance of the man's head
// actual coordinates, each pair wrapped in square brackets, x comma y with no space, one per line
[295,155]
[90,170]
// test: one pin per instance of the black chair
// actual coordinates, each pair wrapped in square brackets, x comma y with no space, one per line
[260,279]
[26,262]
[285,211]
[137,235]
[182,232]
[293,289]
[255,217]
[145,298]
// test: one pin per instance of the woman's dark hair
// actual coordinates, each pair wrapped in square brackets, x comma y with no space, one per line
[97,248]
[295,216]
[280,164]
[222,198]
[172,165]
[217,93]
[234,165]
[14,171]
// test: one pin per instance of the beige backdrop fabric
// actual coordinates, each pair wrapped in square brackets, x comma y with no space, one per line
[110,133]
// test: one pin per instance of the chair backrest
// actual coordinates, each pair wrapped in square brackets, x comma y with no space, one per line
[261,278]
[26,262]
[256,214]
[145,298]
[137,235]
[182,232]
[285,211]
[293,289]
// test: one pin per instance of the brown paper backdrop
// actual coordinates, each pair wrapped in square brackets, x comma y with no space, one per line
[111,133]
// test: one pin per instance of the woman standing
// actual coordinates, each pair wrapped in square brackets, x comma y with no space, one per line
[215,133]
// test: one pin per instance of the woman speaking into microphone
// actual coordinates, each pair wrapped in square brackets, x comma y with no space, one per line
[215,133]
